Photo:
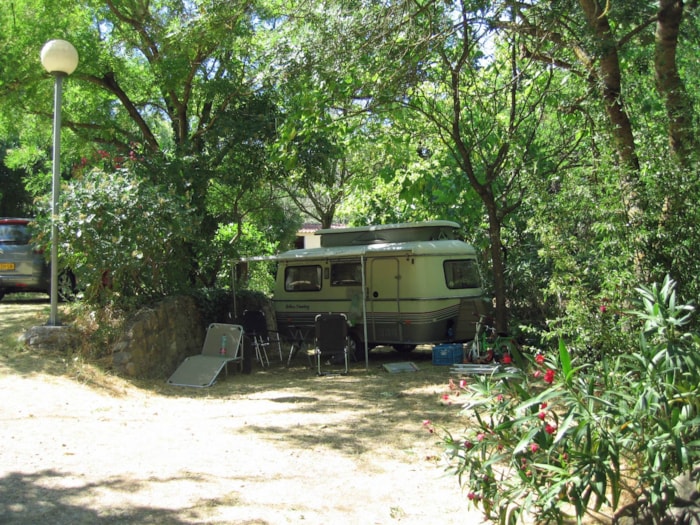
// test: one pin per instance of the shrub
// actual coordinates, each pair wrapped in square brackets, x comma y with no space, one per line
[125,238]
[566,436]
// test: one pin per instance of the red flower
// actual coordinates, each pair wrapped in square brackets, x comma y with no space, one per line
[543,405]
[534,447]
[539,359]
[468,445]
[550,429]
[541,415]
[549,376]
[603,308]
[507,359]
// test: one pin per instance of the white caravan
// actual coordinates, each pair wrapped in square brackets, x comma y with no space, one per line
[399,284]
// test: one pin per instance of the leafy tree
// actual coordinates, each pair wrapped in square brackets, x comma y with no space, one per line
[332,81]
[169,84]
[632,62]
[486,111]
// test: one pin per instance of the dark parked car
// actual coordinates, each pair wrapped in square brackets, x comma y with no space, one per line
[23,267]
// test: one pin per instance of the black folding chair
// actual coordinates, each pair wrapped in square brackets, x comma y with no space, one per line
[331,340]
[256,331]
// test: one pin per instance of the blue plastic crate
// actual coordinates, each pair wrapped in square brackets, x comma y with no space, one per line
[447,354]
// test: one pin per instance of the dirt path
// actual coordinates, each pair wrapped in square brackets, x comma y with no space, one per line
[278,446]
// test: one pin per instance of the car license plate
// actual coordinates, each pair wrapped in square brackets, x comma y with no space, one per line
[7,267]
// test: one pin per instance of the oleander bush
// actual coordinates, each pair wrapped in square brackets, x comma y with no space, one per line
[566,436]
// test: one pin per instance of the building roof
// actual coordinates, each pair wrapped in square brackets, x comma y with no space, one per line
[313,227]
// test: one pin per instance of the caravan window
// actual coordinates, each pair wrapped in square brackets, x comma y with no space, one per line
[346,274]
[302,278]
[461,274]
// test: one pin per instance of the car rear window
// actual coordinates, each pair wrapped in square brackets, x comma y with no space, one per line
[14,234]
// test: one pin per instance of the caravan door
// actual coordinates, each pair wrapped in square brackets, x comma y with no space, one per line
[384,307]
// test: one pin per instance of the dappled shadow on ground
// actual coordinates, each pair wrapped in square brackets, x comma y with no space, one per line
[273,429]
[54,497]
[349,413]
[26,298]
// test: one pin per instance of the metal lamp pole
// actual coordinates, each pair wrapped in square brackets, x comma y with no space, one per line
[60,59]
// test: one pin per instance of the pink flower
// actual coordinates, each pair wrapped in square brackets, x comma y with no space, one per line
[499,397]
[463,383]
[534,447]
[537,374]
[471,496]
[541,415]
[603,308]
[480,437]
[549,376]
[550,429]
[539,359]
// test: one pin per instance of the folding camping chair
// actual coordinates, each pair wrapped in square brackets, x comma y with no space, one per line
[256,331]
[222,346]
[331,339]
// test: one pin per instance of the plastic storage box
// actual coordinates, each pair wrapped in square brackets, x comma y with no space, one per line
[447,354]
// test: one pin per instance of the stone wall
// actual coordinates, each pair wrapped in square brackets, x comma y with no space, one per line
[156,340]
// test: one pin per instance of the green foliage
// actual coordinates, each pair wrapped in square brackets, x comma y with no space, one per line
[249,241]
[14,198]
[216,305]
[673,224]
[567,435]
[125,238]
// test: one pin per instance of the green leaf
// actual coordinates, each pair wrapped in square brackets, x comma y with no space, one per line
[565,360]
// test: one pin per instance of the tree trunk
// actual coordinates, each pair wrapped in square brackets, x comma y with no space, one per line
[499,268]
[679,108]
[609,77]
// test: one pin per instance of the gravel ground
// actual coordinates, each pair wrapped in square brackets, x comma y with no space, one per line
[277,446]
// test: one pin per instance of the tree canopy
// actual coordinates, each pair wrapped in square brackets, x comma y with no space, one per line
[562,136]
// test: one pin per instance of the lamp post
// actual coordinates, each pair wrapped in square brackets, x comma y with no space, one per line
[60,59]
